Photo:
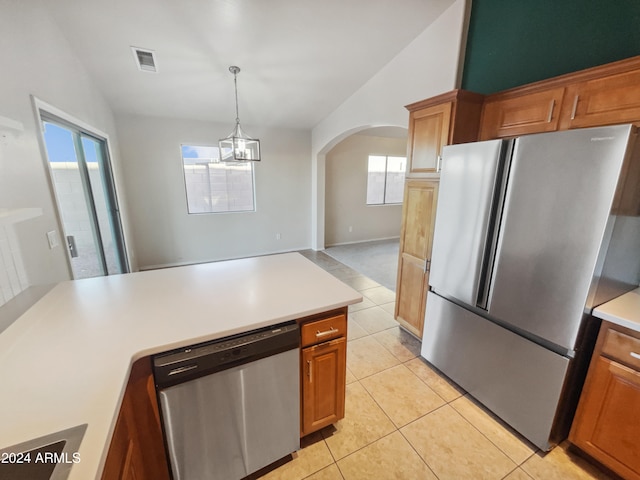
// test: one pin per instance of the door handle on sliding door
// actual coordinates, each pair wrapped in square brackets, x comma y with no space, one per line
[71,245]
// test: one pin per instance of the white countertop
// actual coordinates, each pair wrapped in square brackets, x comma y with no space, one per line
[624,310]
[66,360]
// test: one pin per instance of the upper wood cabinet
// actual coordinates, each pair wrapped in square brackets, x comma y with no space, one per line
[428,132]
[602,101]
[449,118]
[604,95]
[521,114]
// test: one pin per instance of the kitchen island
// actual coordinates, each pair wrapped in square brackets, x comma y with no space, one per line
[67,360]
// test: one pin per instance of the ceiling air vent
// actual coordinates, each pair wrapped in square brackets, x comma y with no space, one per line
[145,59]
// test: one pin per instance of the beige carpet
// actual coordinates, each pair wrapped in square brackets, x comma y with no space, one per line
[377,260]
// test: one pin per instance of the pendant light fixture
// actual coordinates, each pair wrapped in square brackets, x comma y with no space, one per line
[238,147]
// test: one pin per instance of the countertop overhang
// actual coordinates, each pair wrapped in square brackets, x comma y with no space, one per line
[66,361]
[623,310]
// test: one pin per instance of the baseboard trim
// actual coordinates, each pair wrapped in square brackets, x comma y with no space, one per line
[361,241]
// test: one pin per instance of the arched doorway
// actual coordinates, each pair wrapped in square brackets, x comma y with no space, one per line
[363,187]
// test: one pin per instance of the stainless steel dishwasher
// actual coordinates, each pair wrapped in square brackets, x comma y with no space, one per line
[232,406]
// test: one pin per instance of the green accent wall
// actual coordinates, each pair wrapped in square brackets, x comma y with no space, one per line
[515,42]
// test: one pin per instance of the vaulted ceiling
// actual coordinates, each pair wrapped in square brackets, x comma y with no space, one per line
[300,59]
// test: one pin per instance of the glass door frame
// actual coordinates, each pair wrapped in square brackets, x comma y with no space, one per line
[48,113]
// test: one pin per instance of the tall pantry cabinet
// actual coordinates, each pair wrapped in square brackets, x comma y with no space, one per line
[450,118]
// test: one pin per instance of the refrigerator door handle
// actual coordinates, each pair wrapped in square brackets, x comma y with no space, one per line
[493,233]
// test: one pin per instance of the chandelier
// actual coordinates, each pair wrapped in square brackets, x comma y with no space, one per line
[238,146]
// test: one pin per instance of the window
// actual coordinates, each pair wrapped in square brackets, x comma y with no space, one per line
[385,179]
[213,186]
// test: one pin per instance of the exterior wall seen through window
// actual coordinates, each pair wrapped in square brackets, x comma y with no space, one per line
[213,186]
[385,179]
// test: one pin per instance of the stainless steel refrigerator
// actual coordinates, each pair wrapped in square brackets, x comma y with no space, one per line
[529,238]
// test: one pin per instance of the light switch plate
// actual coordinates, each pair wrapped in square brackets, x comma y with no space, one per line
[52,237]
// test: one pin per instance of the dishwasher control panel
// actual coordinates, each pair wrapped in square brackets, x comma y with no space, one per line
[188,363]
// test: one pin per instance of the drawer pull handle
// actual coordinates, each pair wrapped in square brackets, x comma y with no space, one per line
[331,331]
[575,107]
[550,115]
[635,355]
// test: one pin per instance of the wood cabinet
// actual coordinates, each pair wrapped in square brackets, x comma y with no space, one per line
[428,132]
[521,114]
[452,117]
[603,95]
[323,368]
[607,422]
[612,99]
[137,450]
[418,220]
[449,118]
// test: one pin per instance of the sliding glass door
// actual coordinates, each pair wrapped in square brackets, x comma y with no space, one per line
[83,184]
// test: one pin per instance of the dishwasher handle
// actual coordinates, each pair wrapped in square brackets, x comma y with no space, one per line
[186,368]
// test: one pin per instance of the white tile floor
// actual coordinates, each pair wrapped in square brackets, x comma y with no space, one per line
[405,420]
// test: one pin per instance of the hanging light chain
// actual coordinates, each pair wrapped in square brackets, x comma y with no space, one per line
[235,70]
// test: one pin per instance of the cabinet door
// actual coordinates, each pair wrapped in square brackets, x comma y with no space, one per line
[607,424]
[428,133]
[411,297]
[124,461]
[137,449]
[133,466]
[416,236]
[603,101]
[323,384]
[533,113]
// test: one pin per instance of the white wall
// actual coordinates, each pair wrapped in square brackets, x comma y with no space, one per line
[36,59]
[346,192]
[426,67]
[167,235]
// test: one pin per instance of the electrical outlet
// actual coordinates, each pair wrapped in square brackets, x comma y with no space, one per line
[52,237]
[350,229]
[278,236]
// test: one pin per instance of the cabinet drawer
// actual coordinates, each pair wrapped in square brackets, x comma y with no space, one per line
[322,330]
[622,347]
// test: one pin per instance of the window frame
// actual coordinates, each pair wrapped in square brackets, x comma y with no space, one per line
[186,189]
[386,173]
